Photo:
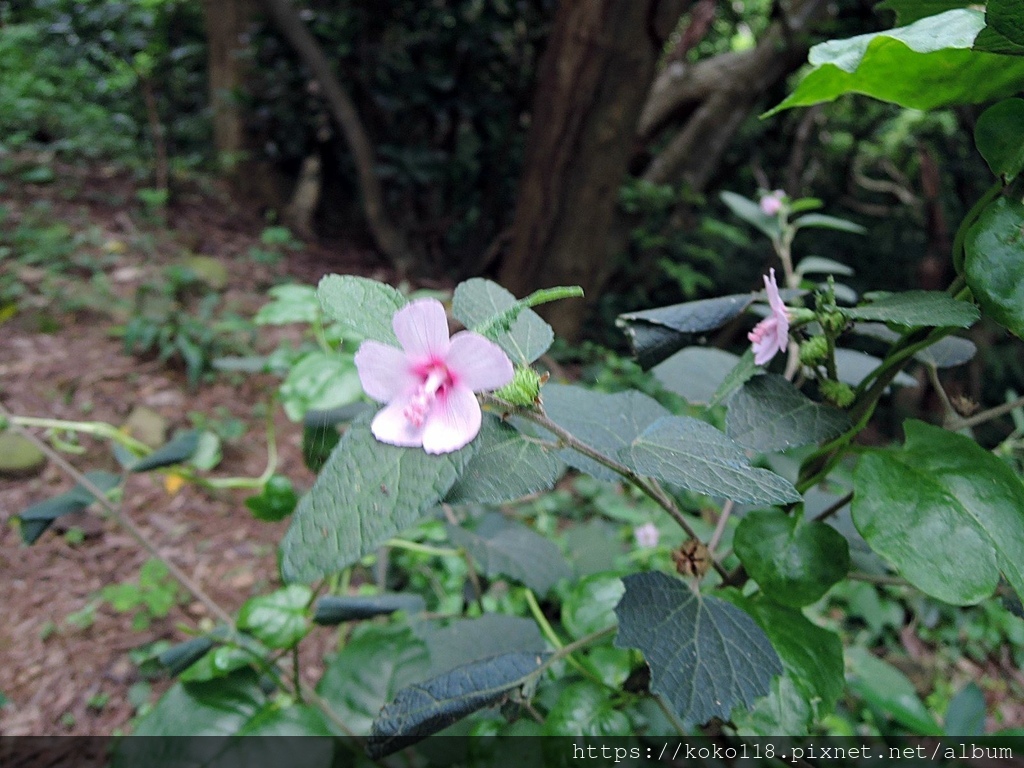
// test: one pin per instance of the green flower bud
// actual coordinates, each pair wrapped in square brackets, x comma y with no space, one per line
[814,351]
[834,323]
[836,392]
[524,389]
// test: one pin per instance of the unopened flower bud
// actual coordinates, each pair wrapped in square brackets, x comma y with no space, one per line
[814,351]
[837,392]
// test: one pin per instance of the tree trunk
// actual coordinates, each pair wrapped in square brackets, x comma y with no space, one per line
[227,23]
[387,237]
[593,80]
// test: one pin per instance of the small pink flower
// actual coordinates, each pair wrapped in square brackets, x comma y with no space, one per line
[646,535]
[772,334]
[428,385]
[771,203]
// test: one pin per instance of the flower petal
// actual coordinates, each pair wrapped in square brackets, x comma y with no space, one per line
[392,427]
[452,422]
[774,298]
[383,371]
[478,363]
[422,328]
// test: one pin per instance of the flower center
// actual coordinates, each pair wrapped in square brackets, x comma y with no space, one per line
[419,405]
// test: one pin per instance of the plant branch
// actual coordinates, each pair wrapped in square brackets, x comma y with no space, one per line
[983,416]
[723,518]
[834,507]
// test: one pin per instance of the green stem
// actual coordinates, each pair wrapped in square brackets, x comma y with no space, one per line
[423,549]
[94,428]
[541,619]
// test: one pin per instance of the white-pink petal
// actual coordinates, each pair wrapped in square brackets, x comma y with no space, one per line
[383,371]
[391,426]
[453,421]
[478,363]
[422,329]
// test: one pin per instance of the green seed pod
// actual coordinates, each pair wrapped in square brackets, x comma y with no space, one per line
[837,392]
[524,389]
[814,351]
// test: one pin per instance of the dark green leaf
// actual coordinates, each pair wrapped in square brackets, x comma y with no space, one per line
[604,422]
[477,300]
[295,720]
[278,620]
[366,493]
[706,656]
[811,656]
[751,213]
[884,687]
[909,11]
[966,713]
[948,352]
[655,334]
[277,500]
[337,609]
[990,41]
[946,512]
[818,265]
[317,444]
[505,466]
[465,640]
[994,265]
[585,709]
[694,455]
[505,548]
[821,221]
[1007,18]
[695,373]
[428,707]
[178,450]
[180,657]
[795,562]
[928,308]
[34,521]
[216,708]
[362,305]
[999,135]
[377,662]
[925,65]
[770,414]
[589,604]
[853,367]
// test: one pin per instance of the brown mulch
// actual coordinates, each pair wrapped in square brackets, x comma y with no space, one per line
[68,678]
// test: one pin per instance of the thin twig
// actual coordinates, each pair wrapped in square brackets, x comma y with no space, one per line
[947,406]
[835,507]
[723,518]
[983,416]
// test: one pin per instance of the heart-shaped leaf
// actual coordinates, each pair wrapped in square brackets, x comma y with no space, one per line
[945,512]
[706,656]
[793,561]
[278,620]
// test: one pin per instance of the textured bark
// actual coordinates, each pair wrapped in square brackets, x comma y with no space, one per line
[387,237]
[227,23]
[594,76]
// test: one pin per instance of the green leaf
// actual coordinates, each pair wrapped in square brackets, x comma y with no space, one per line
[965,715]
[477,300]
[277,500]
[948,352]
[505,466]
[290,304]
[585,709]
[795,562]
[818,265]
[811,656]
[925,65]
[770,414]
[180,657]
[34,521]
[751,213]
[945,512]
[694,455]
[994,264]
[423,709]
[1007,18]
[216,708]
[655,334]
[505,548]
[783,710]
[280,619]
[821,221]
[376,663]
[337,609]
[296,720]
[853,367]
[176,451]
[221,662]
[361,305]
[999,135]
[909,11]
[317,444]
[884,687]
[366,493]
[589,605]
[465,640]
[604,422]
[927,308]
[318,382]
[706,656]
[695,373]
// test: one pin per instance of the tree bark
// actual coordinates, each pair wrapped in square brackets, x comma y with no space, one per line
[227,23]
[593,79]
[387,237]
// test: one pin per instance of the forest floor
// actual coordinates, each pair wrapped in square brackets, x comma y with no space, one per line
[67,669]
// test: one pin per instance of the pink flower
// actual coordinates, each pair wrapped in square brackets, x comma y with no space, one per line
[771,203]
[646,535]
[428,385]
[772,334]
